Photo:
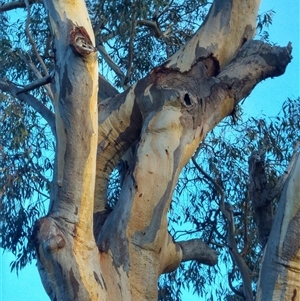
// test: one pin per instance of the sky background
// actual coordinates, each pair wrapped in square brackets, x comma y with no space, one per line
[266,98]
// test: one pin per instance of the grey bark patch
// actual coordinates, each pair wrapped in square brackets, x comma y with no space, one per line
[74,284]
[200,54]
[66,84]
[225,7]
[98,280]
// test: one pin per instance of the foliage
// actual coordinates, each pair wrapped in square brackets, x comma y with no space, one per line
[128,50]
[24,179]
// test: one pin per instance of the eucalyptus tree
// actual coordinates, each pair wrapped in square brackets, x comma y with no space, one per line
[178,70]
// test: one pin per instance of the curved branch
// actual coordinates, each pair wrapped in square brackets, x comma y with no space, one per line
[153,27]
[236,257]
[236,291]
[196,249]
[12,89]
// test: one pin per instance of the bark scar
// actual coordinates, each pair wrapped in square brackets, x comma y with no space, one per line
[81,41]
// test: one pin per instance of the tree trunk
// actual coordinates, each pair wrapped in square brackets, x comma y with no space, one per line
[68,256]
[166,115]
[280,272]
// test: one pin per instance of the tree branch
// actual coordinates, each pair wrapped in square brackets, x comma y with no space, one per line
[110,62]
[12,89]
[153,27]
[196,249]
[15,4]
[37,73]
[36,84]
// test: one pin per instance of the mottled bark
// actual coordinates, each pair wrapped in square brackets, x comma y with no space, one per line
[176,111]
[165,116]
[67,254]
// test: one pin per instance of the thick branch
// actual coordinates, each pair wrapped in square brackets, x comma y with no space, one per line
[18,93]
[64,239]
[196,249]
[226,28]
[209,99]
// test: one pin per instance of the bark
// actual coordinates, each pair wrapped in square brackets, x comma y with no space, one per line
[280,273]
[175,111]
[68,256]
[165,116]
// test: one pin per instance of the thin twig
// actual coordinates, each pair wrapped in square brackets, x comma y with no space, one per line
[32,42]
[37,73]
[228,214]
[12,89]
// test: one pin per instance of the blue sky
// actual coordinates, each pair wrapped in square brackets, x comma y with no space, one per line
[266,98]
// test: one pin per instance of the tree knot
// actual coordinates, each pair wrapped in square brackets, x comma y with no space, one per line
[81,41]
